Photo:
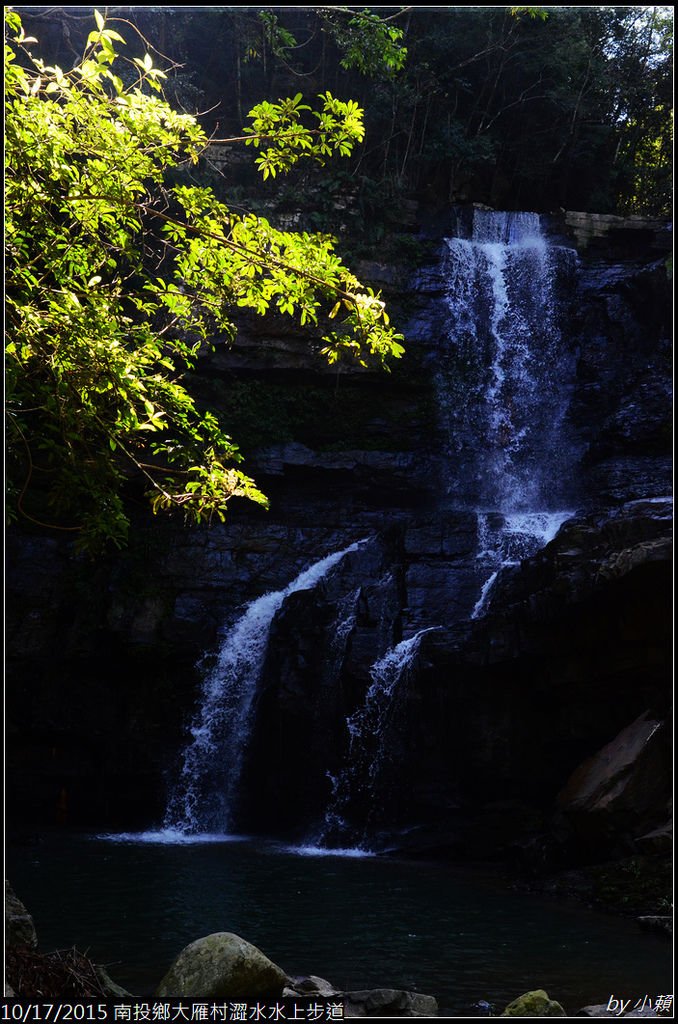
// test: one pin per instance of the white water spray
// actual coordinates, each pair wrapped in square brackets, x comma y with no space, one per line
[502,298]
[368,732]
[511,539]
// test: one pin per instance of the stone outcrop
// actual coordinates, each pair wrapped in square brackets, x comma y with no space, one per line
[621,408]
[605,230]
[222,965]
[622,786]
[602,585]
[377,1002]
[386,1002]
[591,553]
[19,927]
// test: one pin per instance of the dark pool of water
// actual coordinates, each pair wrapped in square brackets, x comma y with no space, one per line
[459,934]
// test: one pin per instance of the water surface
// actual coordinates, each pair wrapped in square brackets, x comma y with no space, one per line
[456,933]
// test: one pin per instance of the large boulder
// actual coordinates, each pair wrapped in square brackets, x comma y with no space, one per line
[19,927]
[534,1004]
[222,965]
[622,787]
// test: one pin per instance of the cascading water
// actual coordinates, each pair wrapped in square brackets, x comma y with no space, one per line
[509,450]
[504,383]
[505,399]
[369,732]
[505,539]
[205,795]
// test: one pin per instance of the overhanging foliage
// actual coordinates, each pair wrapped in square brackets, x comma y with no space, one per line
[117,279]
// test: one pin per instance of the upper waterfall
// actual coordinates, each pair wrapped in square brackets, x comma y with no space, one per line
[504,384]
[504,288]
[506,228]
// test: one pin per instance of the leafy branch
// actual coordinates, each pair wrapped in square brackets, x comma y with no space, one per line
[116,282]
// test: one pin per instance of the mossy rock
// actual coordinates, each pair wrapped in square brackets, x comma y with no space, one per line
[222,965]
[534,1004]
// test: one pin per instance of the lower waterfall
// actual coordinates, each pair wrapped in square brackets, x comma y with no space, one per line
[369,729]
[204,797]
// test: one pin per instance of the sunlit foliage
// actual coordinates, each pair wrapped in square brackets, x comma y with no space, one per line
[117,279]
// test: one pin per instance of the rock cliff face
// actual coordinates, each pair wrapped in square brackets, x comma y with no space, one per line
[497,712]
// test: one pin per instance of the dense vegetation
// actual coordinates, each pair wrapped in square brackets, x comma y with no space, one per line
[117,277]
[127,248]
[564,106]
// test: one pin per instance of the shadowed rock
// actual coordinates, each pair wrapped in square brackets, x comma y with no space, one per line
[620,785]
[386,1002]
[19,927]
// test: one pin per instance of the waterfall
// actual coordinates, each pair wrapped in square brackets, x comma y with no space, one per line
[369,731]
[204,797]
[504,382]
[509,448]
[504,540]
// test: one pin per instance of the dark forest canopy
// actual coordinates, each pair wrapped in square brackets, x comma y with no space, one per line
[543,107]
